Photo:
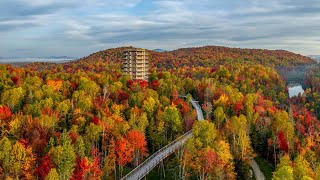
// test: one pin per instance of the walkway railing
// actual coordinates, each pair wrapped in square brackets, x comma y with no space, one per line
[146,166]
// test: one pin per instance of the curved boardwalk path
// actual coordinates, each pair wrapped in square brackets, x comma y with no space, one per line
[145,167]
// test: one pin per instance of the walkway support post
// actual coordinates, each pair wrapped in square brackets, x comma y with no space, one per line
[145,167]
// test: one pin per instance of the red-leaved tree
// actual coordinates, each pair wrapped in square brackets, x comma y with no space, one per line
[5,113]
[283,144]
[124,152]
[81,168]
[139,145]
[44,168]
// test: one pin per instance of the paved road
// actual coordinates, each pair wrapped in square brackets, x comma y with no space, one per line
[145,167]
[196,105]
[257,171]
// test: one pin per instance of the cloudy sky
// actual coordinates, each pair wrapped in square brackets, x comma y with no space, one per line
[81,27]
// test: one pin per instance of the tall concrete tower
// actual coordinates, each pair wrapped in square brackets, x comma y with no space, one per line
[136,63]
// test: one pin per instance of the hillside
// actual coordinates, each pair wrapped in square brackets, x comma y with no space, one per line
[87,120]
[206,56]
[209,55]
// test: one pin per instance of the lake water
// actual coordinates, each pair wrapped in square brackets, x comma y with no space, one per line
[295,89]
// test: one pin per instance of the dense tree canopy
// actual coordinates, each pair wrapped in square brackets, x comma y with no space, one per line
[85,119]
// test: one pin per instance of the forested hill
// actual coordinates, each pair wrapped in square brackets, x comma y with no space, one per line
[206,56]
[210,55]
[86,120]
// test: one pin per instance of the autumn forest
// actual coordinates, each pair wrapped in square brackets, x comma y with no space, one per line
[85,119]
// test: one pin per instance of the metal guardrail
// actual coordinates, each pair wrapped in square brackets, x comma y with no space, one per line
[171,147]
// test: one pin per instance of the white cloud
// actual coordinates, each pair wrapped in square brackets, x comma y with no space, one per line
[91,25]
